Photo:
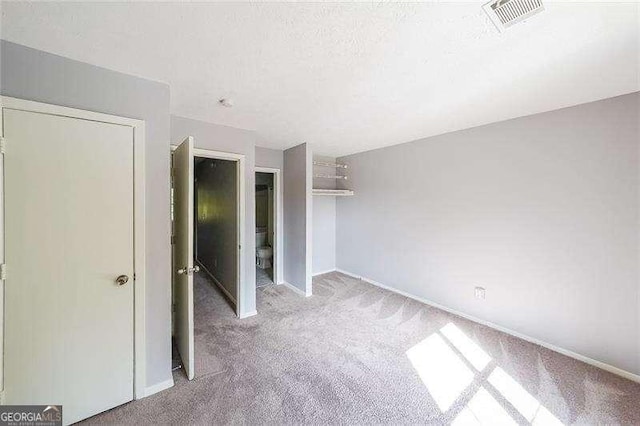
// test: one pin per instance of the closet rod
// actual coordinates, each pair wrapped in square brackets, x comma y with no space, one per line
[336,165]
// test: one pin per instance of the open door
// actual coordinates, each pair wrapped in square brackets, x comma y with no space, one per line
[183,252]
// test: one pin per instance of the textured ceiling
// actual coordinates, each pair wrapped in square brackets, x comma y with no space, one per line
[347,77]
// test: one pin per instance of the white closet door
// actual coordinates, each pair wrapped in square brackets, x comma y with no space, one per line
[69,236]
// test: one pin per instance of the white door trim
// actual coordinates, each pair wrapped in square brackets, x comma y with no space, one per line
[241,286]
[279,258]
[138,126]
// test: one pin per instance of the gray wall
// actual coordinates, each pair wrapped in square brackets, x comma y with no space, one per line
[228,139]
[324,234]
[262,208]
[542,211]
[266,157]
[216,221]
[39,76]
[264,194]
[324,217]
[297,179]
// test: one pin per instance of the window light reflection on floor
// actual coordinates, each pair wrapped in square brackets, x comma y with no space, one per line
[446,377]
[471,351]
[522,400]
[483,409]
[441,370]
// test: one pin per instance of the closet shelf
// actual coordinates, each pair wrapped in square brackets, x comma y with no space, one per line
[333,192]
[334,165]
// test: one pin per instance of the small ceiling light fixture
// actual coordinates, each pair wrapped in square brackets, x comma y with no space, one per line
[227,103]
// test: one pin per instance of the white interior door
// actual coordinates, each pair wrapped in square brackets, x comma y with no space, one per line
[69,323]
[183,251]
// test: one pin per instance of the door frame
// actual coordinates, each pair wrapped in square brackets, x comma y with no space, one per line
[138,127]
[240,159]
[277,222]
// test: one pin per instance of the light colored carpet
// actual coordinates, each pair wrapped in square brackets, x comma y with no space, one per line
[353,353]
[264,277]
[209,304]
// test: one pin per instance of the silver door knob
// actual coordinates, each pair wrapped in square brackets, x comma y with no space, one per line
[122,280]
[188,271]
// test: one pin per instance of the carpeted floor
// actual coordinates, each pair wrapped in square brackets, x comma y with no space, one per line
[264,276]
[354,353]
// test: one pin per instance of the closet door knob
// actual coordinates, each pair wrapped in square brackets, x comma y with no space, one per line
[122,280]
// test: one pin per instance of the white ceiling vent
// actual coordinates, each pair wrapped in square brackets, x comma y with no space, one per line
[504,13]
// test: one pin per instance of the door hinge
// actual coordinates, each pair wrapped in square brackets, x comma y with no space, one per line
[3,272]
[3,143]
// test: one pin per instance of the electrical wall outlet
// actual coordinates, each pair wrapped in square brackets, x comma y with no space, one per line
[479,292]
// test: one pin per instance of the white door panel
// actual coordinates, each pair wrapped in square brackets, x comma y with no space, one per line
[183,171]
[69,234]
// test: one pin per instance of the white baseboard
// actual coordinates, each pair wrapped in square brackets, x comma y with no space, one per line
[604,366]
[248,314]
[324,272]
[158,387]
[295,289]
[351,274]
[218,283]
